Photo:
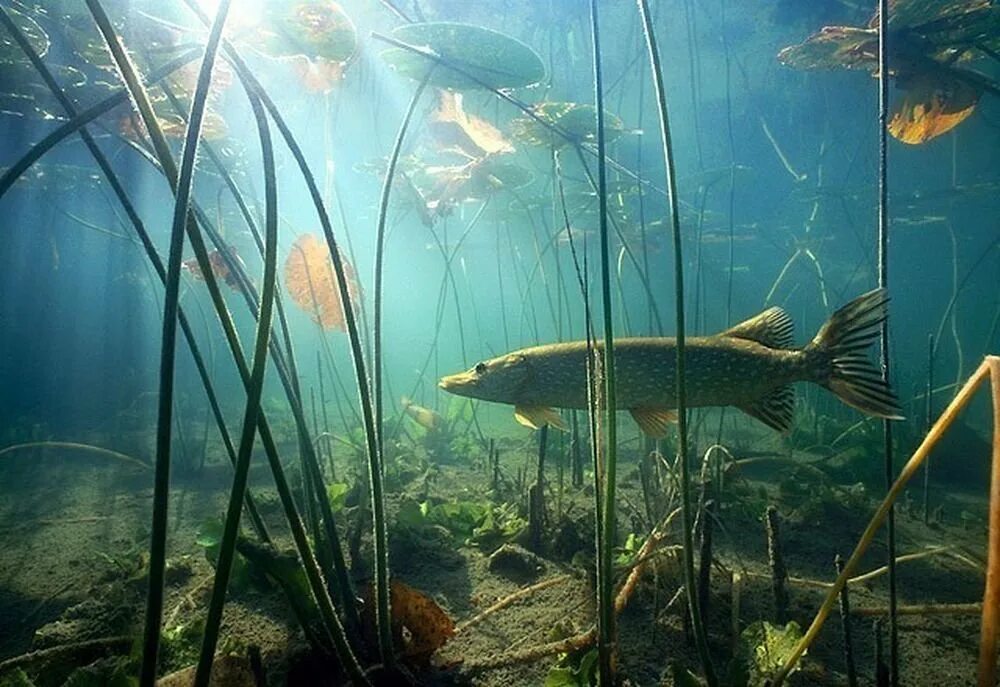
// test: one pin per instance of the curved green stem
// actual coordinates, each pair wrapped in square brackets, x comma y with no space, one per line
[182,185]
[606,538]
[682,439]
[383,619]
[80,120]
[231,529]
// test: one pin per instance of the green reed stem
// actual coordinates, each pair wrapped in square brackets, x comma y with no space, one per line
[606,538]
[383,617]
[227,549]
[354,338]
[82,119]
[883,282]
[147,244]
[682,436]
[182,185]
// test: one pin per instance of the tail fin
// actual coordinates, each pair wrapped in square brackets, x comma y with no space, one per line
[837,355]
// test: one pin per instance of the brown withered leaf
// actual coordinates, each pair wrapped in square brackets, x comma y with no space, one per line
[419,625]
[467,134]
[933,103]
[311,283]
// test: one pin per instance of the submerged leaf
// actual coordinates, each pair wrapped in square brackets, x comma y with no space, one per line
[575,121]
[933,104]
[455,130]
[312,284]
[762,650]
[427,626]
[487,59]
[833,47]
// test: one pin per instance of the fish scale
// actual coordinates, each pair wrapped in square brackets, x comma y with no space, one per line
[750,366]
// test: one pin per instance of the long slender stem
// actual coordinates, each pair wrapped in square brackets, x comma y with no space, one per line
[682,439]
[883,282]
[182,185]
[383,619]
[605,578]
[353,334]
[989,636]
[945,420]
[82,119]
[231,529]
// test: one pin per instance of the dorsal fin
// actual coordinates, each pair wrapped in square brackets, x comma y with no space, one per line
[772,328]
[775,409]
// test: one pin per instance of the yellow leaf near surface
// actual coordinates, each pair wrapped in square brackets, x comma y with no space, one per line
[311,283]
[933,104]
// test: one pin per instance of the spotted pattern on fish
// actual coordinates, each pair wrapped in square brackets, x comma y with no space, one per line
[748,366]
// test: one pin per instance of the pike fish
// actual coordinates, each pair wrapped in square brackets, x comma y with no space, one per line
[751,366]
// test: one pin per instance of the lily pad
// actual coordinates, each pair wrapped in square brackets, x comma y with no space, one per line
[314,29]
[575,120]
[845,47]
[482,58]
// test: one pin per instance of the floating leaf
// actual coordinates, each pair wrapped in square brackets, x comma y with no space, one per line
[313,29]
[575,121]
[312,284]
[489,59]
[933,103]
[467,134]
[846,47]
[906,14]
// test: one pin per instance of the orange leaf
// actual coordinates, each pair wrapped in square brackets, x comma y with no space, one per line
[934,102]
[311,283]
[427,626]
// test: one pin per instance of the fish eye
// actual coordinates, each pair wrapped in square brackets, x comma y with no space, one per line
[480,368]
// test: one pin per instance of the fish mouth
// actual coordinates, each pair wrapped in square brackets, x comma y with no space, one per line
[461,383]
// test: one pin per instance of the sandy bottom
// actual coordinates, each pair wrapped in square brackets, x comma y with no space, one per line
[74,527]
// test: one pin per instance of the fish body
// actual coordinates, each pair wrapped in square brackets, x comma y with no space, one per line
[750,366]
[425,417]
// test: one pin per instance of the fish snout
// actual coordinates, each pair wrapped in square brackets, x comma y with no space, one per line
[461,383]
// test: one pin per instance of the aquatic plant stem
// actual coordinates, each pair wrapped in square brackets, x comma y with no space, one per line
[701,641]
[606,523]
[989,637]
[145,242]
[883,282]
[383,619]
[354,338]
[82,119]
[910,469]
[182,185]
[227,547]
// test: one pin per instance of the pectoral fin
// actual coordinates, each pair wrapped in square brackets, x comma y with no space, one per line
[654,422]
[537,417]
[774,410]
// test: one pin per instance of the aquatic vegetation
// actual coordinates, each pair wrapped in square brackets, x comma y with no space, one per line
[490,197]
[478,57]
[926,41]
[574,123]
[311,283]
